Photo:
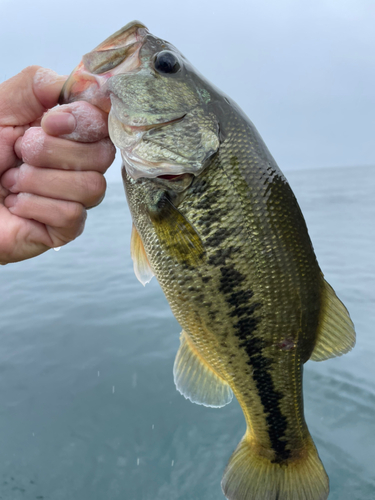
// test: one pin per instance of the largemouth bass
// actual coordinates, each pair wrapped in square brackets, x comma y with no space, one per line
[215,220]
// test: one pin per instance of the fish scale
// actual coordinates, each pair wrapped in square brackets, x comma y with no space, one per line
[216,222]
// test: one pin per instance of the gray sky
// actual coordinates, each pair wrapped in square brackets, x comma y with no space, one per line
[304,72]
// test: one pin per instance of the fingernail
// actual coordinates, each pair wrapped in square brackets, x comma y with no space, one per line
[58,123]
[18,147]
[32,144]
[10,200]
[9,179]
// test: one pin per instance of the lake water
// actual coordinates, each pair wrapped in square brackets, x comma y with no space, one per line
[89,410]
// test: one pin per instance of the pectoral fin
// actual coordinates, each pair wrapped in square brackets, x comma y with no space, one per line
[142,268]
[176,235]
[196,380]
[336,335]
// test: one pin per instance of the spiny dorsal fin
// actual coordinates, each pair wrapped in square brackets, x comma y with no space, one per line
[196,380]
[142,268]
[336,335]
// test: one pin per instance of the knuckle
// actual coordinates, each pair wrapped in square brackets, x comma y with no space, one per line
[30,70]
[111,150]
[62,236]
[33,145]
[91,122]
[81,226]
[98,186]
[74,213]
[106,153]
[92,188]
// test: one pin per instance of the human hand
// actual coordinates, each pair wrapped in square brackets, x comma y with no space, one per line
[51,166]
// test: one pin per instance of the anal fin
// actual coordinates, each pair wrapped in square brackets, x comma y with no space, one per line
[142,268]
[336,335]
[196,380]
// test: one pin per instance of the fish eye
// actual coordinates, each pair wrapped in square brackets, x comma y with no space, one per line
[166,62]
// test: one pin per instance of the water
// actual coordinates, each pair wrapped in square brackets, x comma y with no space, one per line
[89,410]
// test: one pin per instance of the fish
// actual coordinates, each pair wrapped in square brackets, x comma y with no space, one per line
[215,220]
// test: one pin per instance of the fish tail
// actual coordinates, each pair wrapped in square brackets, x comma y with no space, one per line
[251,476]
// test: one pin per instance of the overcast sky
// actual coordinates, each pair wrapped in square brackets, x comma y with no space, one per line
[304,72]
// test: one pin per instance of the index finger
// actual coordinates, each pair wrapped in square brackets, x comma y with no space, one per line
[90,122]
[40,149]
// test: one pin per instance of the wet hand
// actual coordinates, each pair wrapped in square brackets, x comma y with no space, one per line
[51,165]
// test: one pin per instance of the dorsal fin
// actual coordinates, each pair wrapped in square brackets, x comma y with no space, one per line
[336,335]
[196,380]
[142,268]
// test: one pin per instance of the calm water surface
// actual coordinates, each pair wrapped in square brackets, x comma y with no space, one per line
[89,410]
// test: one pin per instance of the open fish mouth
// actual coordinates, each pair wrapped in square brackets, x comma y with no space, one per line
[171,177]
[118,54]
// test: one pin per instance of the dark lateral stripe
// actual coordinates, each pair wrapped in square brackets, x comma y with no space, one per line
[246,324]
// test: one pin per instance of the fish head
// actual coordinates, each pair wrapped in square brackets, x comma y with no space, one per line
[160,108]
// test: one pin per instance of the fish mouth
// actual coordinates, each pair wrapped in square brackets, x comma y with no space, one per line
[118,54]
[136,129]
[171,177]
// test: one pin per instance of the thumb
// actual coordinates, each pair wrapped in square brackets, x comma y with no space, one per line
[26,96]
